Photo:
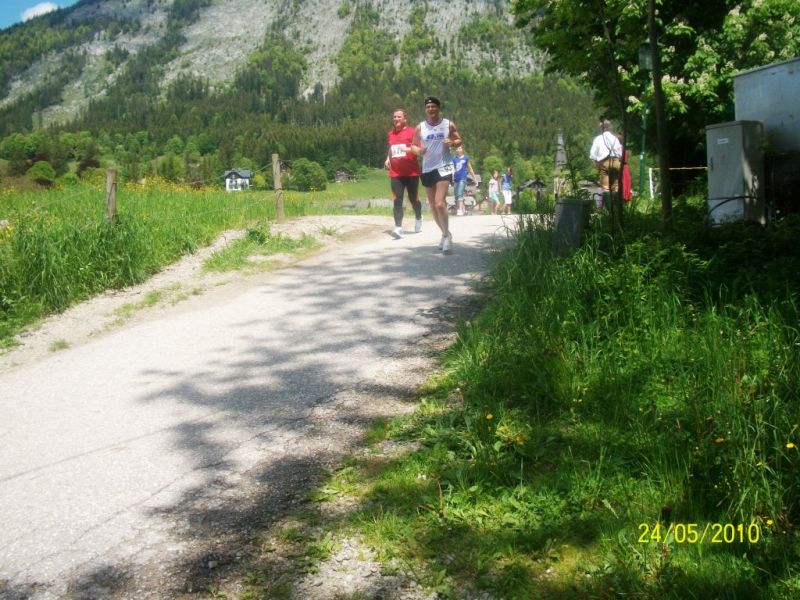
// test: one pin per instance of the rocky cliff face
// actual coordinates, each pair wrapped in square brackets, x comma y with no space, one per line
[224,33]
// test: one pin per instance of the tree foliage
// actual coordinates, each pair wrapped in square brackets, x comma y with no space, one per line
[42,172]
[701,46]
[307,175]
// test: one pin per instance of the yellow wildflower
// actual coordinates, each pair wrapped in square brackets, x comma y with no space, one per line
[489,416]
[719,440]
[790,445]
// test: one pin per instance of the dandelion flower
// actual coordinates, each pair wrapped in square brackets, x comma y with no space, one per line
[770,521]
[489,416]
[790,445]
[719,440]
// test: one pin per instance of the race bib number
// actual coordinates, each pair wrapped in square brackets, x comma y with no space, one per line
[446,170]
[398,150]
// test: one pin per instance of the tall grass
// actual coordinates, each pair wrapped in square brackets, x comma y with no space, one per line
[58,248]
[645,380]
[683,350]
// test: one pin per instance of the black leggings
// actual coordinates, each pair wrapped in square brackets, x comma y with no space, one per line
[411,185]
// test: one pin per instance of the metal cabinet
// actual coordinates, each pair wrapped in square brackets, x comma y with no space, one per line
[735,172]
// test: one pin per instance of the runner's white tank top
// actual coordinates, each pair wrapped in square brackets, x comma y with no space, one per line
[437,153]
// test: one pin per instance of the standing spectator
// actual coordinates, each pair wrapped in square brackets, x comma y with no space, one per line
[494,190]
[403,167]
[606,152]
[462,166]
[505,186]
[433,139]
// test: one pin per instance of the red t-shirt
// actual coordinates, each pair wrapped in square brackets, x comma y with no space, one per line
[402,164]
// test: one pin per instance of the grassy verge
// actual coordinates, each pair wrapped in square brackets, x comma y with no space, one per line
[56,247]
[257,243]
[620,423]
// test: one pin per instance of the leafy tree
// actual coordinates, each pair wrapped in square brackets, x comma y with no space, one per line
[259,182]
[13,149]
[174,145]
[170,168]
[494,160]
[308,175]
[701,46]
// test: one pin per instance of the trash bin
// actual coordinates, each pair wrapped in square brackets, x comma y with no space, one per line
[571,219]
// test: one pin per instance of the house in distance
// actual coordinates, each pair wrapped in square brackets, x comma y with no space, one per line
[237,180]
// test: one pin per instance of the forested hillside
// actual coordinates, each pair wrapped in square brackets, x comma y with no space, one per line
[151,93]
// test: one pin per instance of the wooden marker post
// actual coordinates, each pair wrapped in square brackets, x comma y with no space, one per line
[276,176]
[111,195]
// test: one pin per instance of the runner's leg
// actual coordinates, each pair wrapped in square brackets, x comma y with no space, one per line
[412,187]
[397,197]
[440,205]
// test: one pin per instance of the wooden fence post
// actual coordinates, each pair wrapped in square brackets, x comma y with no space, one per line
[276,176]
[111,195]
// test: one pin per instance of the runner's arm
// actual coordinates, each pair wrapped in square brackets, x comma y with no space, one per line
[455,138]
[416,146]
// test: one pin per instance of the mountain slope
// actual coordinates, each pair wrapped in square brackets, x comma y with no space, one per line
[213,39]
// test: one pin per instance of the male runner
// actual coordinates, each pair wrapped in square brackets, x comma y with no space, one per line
[433,139]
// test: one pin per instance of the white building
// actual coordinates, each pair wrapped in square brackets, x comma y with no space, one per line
[237,180]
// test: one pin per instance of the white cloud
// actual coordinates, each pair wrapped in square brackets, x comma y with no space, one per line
[39,9]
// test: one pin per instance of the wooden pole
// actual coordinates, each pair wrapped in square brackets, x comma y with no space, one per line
[276,176]
[661,119]
[111,195]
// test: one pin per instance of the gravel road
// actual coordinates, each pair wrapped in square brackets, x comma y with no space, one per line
[147,452]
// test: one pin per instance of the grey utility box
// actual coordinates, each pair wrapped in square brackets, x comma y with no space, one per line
[571,220]
[735,172]
[771,94]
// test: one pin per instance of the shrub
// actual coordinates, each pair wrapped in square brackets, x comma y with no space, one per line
[308,175]
[42,173]
[69,179]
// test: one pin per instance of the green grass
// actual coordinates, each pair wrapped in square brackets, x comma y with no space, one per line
[258,242]
[59,249]
[649,380]
[59,345]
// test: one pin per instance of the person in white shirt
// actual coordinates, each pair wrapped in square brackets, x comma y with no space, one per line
[606,153]
[433,139]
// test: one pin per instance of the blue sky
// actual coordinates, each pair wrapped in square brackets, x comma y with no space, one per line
[11,10]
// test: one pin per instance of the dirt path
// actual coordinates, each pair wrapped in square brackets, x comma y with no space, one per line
[173,285]
[147,455]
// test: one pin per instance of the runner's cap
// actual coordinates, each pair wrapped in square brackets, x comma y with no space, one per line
[432,100]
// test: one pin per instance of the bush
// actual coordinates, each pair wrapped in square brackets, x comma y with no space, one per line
[259,182]
[42,173]
[307,175]
[68,179]
[93,175]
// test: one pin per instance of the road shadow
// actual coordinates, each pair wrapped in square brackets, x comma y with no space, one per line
[303,390]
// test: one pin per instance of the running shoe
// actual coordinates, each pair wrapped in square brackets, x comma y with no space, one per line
[397,233]
[417,225]
[447,244]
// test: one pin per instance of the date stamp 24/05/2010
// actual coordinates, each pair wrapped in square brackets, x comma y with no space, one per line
[698,533]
